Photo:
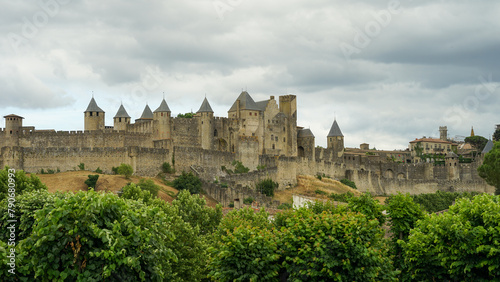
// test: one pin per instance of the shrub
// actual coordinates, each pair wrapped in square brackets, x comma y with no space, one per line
[435,202]
[285,206]
[341,197]
[135,192]
[98,170]
[81,166]
[239,167]
[248,201]
[125,170]
[368,206]
[149,185]
[267,187]
[167,168]
[193,209]
[114,170]
[188,181]
[349,183]
[92,181]
[320,192]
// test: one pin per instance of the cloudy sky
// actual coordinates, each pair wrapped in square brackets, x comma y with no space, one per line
[389,71]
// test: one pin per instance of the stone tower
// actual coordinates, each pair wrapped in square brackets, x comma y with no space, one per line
[161,117]
[13,125]
[335,140]
[206,125]
[94,117]
[443,133]
[288,106]
[121,119]
[452,166]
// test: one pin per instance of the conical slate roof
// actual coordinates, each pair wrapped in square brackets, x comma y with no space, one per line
[335,130]
[122,113]
[93,107]
[246,103]
[488,147]
[147,113]
[205,107]
[305,133]
[163,107]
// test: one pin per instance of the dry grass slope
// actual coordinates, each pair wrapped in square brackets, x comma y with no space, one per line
[307,186]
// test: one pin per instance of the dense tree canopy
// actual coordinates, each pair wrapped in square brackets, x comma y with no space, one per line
[490,169]
[477,142]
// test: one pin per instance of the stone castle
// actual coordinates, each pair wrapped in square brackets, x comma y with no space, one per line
[262,135]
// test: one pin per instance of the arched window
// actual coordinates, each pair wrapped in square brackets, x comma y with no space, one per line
[215,133]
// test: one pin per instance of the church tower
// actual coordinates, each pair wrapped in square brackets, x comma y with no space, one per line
[121,119]
[206,125]
[94,117]
[335,140]
[161,118]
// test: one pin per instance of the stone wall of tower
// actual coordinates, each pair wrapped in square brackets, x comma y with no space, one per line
[121,123]
[185,132]
[13,125]
[336,143]
[162,126]
[94,121]
[306,147]
[288,106]
[206,126]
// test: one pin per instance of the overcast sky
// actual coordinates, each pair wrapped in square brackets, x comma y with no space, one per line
[389,71]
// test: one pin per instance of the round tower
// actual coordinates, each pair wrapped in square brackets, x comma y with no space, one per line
[121,119]
[94,117]
[206,125]
[335,140]
[161,122]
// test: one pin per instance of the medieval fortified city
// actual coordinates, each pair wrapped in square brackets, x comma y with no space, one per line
[262,134]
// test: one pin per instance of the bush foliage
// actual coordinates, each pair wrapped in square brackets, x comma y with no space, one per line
[125,170]
[188,181]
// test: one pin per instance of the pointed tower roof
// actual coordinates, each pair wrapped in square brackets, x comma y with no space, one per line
[122,113]
[306,132]
[163,107]
[246,103]
[472,132]
[488,147]
[205,107]
[335,130]
[147,113]
[93,107]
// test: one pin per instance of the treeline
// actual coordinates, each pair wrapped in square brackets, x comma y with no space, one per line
[94,236]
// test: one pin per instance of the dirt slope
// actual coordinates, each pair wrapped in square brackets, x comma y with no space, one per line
[73,181]
[307,185]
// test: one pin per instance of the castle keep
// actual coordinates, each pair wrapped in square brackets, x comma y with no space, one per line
[260,134]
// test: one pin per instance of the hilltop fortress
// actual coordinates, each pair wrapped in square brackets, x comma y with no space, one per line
[262,134]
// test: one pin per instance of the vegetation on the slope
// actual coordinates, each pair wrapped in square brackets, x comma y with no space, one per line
[490,169]
[435,202]
[188,181]
[167,168]
[125,170]
[349,183]
[267,187]
[91,181]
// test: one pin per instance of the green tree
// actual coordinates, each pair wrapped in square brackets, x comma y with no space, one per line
[149,185]
[125,170]
[404,214]
[188,181]
[135,192]
[194,210]
[94,237]
[458,245]
[22,182]
[368,206]
[496,135]
[267,187]
[490,169]
[92,181]
[167,168]
[186,115]
[477,142]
